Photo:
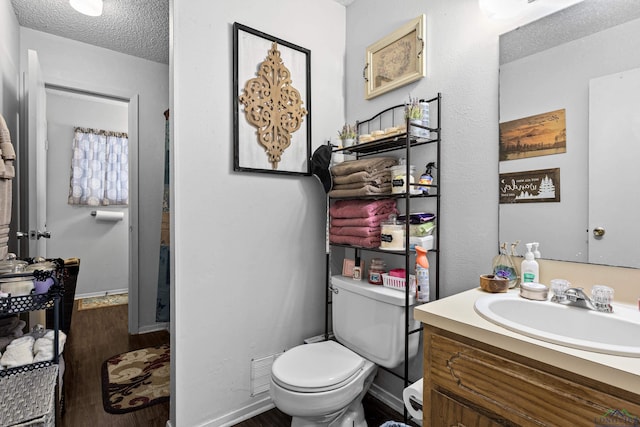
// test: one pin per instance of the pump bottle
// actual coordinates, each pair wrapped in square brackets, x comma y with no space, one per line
[529,269]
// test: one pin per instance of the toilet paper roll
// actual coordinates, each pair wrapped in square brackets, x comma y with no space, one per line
[413,393]
[109,216]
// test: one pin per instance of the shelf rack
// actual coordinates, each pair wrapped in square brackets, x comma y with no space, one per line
[29,392]
[396,142]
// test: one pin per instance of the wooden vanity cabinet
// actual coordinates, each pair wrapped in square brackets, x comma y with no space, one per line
[470,384]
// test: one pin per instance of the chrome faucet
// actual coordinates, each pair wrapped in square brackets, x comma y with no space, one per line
[576,297]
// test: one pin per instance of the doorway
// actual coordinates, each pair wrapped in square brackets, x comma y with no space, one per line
[31,207]
[102,246]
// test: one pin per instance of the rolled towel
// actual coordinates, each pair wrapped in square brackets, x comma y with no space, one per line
[18,353]
[7,325]
[43,347]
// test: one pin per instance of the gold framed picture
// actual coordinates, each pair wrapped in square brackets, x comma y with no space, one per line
[396,60]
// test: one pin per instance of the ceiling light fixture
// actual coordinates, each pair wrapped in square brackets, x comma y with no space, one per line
[87,7]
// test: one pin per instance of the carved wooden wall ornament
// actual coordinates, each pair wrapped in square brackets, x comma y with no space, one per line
[273,105]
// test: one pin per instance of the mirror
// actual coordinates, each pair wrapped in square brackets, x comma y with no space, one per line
[565,67]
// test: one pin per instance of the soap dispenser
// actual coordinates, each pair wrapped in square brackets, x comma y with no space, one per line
[529,269]
[536,252]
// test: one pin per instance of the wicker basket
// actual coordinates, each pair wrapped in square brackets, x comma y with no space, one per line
[28,397]
[398,283]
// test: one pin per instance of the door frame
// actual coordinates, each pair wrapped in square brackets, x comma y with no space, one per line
[133,133]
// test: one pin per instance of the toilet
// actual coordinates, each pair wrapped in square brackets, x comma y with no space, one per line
[323,383]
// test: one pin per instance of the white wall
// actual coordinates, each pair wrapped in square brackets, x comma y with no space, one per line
[102,247]
[546,81]
[462,64]
[249,248]
[69,63]
[10,84]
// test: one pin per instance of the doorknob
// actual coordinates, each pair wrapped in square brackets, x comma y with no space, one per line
[45,234]
[21,235]
[598,232]
[37,234]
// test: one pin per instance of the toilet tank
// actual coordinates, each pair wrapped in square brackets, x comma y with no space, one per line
[369,319]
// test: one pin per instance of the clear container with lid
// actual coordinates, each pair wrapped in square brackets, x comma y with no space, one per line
[392,234]
[399,182]
[376,269]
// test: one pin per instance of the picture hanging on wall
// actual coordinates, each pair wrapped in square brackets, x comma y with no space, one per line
[272,104]
[535,186]
[539,135]
[397,59]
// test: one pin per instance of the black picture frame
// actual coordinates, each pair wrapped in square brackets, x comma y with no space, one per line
[250,48]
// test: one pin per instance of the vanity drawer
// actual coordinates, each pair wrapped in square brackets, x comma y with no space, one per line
[449,412]
[518,392]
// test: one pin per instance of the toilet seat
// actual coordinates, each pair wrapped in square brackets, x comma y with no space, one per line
[316,367]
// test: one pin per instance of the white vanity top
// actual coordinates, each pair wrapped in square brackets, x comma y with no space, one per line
[457,314]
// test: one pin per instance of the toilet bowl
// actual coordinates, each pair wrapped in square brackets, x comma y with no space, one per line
[322,384]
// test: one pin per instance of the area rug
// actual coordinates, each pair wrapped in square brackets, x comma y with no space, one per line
[136,379]
[102,301]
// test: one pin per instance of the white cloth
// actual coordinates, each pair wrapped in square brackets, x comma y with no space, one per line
[43,347]
[18,353]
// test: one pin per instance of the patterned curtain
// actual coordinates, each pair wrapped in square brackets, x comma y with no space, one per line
[99,168]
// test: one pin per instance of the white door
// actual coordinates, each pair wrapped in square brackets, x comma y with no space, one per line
[36,99]
[614,151]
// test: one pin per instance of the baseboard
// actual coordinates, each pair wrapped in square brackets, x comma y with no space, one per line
[154,328]
[387,398]
[169,423]
[102,294]
[242,414]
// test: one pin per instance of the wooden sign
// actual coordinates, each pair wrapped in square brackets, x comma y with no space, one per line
[536,186]
[539,135]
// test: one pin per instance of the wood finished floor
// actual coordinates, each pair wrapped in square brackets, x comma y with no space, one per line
[96,335]
[100,333]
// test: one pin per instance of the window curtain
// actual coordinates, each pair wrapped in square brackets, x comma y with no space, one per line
[99,168]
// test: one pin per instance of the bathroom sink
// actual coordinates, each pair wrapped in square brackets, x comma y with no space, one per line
[616,333]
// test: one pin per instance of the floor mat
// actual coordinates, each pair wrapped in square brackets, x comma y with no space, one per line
[102,301]
[136,379]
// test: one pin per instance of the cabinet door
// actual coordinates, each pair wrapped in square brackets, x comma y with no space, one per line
[446,412]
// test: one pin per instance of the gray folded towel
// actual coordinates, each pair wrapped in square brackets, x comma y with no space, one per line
[371,165]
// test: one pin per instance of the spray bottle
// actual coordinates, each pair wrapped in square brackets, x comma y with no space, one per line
[422,274]
[426,178]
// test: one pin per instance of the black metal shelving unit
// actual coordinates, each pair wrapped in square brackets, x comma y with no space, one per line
[37,381]
[407,142]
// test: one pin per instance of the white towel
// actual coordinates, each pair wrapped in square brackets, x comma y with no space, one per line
[18,353]
[43,347]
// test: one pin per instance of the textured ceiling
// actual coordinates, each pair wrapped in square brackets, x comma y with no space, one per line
[135,27]
[575,22]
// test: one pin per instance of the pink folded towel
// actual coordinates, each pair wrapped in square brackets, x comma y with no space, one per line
[362,208]
[372,221]
[364,242]
[355,231]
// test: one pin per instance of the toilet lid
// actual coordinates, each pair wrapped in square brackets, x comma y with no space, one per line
[316,367]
